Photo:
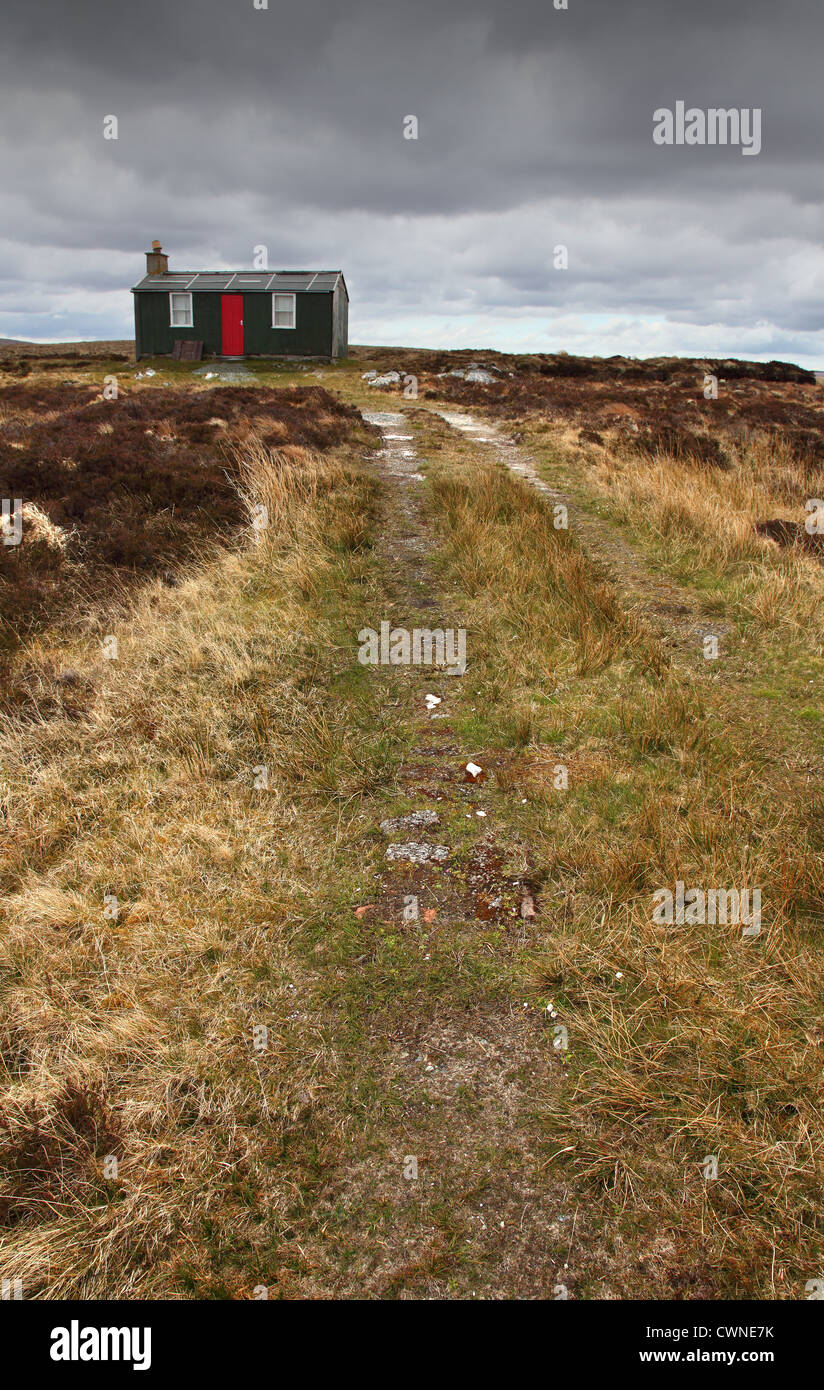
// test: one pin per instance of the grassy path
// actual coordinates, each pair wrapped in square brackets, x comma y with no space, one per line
[453,1195]
[617,766]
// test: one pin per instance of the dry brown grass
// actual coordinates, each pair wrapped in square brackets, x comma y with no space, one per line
[130,1035]
[496,529]
[710,509]
[684,1041]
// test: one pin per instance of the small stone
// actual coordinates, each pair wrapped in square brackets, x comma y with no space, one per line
[416,853]
[416,820]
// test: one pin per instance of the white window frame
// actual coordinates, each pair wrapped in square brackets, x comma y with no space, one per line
[284,294]
[189,311]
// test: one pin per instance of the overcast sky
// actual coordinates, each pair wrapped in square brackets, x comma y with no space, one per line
[284,127]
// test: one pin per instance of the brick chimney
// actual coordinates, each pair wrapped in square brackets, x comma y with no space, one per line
[156,262]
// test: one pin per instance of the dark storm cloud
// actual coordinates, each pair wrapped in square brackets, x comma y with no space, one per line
[284,126]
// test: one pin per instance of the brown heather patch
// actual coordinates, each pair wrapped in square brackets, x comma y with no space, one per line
[137,485]
[652,406]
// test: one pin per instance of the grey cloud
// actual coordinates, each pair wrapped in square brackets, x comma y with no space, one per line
[284,126]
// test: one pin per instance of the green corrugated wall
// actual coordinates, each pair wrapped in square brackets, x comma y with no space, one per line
[311,336]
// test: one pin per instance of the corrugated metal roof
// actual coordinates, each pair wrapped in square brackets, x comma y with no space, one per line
[289,281]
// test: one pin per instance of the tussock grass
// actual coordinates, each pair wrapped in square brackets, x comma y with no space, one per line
[684,1041]
[705,517]
[686,1047]
[497,526]
[129,1036]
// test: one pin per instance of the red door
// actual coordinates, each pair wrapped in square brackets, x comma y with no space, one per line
[231,317]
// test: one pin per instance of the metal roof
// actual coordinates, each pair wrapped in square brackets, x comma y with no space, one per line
[289,281]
